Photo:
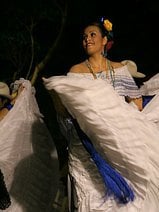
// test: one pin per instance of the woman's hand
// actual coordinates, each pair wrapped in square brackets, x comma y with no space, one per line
[16,94]
[136,101]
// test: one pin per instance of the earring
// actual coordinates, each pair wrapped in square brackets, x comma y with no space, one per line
[104,53]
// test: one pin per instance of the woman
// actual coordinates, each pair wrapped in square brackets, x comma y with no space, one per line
[93,92]
[97,40]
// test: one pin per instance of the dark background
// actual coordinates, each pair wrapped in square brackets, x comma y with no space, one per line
[135,26]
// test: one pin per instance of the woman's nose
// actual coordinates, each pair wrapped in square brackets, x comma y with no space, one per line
[87,38]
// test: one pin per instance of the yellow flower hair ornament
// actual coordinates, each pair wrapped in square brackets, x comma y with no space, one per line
[107,29]
[108,26]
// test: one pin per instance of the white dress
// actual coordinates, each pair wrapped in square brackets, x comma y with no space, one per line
[28,157]
[125,137]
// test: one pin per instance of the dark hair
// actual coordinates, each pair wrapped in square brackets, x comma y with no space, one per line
[3,97]
[100,25]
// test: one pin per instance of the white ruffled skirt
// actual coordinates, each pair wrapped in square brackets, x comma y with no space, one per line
[127,138]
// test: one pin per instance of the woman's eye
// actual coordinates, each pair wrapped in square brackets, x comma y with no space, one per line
[93,34]
[90,35]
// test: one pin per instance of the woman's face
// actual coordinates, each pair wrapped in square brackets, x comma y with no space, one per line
[93,42]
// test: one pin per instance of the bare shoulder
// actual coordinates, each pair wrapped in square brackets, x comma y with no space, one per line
[116,64]
[78,68]
[75,68]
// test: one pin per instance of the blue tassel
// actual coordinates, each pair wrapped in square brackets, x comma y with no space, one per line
[113,180]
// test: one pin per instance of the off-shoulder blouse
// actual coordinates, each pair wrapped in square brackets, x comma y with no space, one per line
[119,78]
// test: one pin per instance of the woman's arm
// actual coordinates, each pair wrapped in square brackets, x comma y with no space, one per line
[3,113]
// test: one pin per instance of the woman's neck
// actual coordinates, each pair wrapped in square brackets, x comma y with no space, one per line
[98,63]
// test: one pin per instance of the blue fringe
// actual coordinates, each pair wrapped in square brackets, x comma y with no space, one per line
[113,180]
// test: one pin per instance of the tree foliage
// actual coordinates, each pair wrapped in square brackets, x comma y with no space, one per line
[30,32]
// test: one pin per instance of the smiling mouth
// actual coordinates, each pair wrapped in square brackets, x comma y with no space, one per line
[89,45]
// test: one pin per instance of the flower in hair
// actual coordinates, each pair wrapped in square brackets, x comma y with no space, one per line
[107,25]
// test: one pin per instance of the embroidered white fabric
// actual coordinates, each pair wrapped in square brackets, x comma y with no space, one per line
[151,86]
[125,137]
[28,157]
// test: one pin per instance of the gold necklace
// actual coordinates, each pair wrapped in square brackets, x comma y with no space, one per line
[109,68]
[90,69]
